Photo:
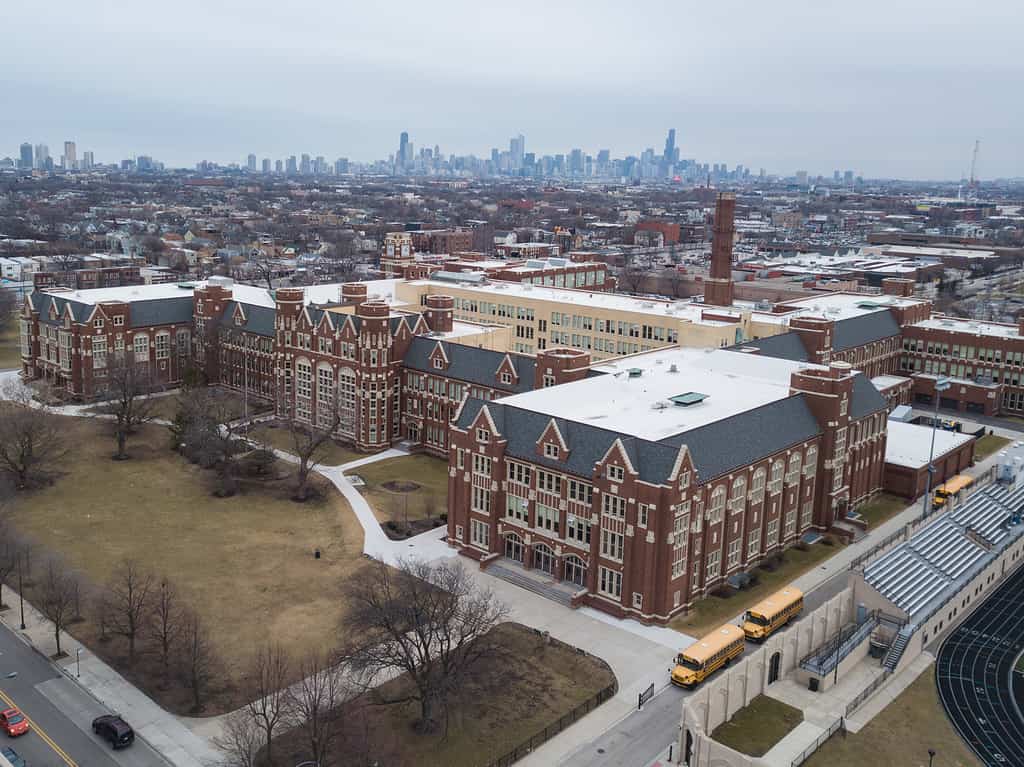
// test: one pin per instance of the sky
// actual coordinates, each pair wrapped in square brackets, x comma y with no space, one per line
[898,89]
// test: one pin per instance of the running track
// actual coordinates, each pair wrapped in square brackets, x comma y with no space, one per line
[974,673]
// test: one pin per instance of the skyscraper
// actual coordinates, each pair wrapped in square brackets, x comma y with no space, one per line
[292,168]
[278,166]
[266,165]
[516,149]
[304,165]
[70,156]
[87,160]
[404,152]
[42,155]
[670,146]
[26,156]
[250,163]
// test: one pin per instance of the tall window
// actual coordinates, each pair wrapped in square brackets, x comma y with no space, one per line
[776,480]
[162,344]
[614,506]
[811,461]
[793,471]
[753,542]
[757,486]
[548,518]
[347,403]
[303,390]
[716,505]
[737,496]
[578,529]
[481,501]
[609,582]
[714,564]
[805,515]
[184,340]
[479,533]
[612,545]
[325,396]
[141,347]
[99,351]
[734,553]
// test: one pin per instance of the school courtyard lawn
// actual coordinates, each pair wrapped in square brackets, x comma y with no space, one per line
[990,443]
[406,488]
[758,726]
[245,563]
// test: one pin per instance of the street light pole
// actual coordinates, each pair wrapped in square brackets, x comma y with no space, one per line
[941,385]
[931,755]
[78,663]
[21,591]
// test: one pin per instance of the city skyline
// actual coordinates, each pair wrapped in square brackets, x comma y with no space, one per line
[780,87]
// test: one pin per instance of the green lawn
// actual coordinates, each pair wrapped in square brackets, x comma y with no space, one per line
[755,729]
[881,507]
[990,443]
[429,473]
[10,344]
[713,611]
[901,734]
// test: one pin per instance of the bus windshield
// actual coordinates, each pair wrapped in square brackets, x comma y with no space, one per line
[757,619]
[689,663]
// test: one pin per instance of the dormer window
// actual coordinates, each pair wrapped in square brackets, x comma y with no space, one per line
[98,323]
[506,378]
[438,363]
[550,450]
[615,473]
[119,321]
[684,480]
[239,320]
[482,435]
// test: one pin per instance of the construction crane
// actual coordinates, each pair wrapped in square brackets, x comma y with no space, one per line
[974,164]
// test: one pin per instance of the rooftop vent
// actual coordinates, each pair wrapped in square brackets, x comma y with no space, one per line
[635,372]
[673,368]
[687,399]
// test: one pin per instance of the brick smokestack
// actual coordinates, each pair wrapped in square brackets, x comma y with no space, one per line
[718,286]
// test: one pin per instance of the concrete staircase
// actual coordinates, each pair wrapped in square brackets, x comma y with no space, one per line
[542,586]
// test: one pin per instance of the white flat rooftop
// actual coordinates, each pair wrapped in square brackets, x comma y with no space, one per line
[884,382]
[843,306]
[734,383]
[908,444]
[960,325]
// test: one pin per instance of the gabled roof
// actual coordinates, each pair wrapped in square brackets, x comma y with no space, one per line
[160,311]
[721,446]
[865,329]
[259,320]
[42,301]
[470,364]
[866,398]
[787,346]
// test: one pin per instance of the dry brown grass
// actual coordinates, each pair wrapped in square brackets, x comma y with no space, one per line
[500,709]
[10,348]
[331,454]
[431,474]
[246,562]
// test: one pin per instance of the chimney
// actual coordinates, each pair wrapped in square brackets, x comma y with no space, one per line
[440,313]
[718,285]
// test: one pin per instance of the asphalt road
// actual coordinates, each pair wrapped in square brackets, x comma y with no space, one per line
[60,712]
[974,673]
[643,736]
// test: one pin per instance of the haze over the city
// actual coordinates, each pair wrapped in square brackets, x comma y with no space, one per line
[888,89]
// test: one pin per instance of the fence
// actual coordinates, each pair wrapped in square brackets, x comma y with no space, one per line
[866,693]
[837,725]
[832,652]
[553,729]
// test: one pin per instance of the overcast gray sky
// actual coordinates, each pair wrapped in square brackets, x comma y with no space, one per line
[899,88]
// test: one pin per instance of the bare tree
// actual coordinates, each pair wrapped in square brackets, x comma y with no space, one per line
[239,740]
[267,691]
[310,442]
[126,397]
[263,270]
[128,594]
[165,622]
[428,621]
[197,661]
[429,505]
[57,597]
[315,701]
[32,440]
[631,279]
[209,430]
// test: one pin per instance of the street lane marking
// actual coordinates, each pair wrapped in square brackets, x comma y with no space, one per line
[46,738]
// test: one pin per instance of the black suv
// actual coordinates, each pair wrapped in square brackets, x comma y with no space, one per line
[114,729]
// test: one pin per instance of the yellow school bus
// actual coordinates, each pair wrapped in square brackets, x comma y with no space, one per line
[770,614]
[951,488]
[699,660]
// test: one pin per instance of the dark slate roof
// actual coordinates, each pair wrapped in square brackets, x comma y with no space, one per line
[259,320]
[864,329]
[744,438]
[787,346]
[470,363]
[409,320]
[160,311]
[715,449]
[866,398]
[587,444]
[41,303]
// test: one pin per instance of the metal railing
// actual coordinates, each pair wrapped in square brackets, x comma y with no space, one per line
[867,692]
[837,725]
[842,643]
[528,745]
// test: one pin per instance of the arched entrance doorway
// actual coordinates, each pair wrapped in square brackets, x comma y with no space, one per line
[544,558]
[773,667]
[688,751]
[514,548]
[575,570]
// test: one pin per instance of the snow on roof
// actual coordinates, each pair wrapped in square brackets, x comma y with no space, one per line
[960,325]
[843,306]
[640,404]
[908,444]
[884,382]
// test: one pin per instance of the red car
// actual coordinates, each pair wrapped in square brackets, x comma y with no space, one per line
[13,722]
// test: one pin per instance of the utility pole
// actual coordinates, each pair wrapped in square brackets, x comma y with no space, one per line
[21,591]
[941,385]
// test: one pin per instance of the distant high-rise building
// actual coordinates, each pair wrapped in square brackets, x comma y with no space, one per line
[576,161]
[42,155]
[848,177]
[250,163]
[836,176]
[26,156]
[70,156]
[668,157]
[516,149]
[305,166]
[293,167]
[404,151]
[266,165]
[87,161]
[278,166]
[340,166]
[801,177]
[319,165]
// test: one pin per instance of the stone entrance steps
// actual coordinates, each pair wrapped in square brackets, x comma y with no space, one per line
[539,584]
